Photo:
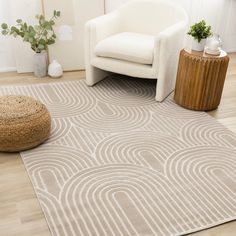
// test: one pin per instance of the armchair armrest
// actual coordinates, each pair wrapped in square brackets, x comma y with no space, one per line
[100,28]
[167,47]
[96,30]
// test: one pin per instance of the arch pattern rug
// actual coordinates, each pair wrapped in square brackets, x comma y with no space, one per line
[119,163]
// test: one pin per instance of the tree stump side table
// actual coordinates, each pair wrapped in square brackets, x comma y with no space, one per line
[200,80]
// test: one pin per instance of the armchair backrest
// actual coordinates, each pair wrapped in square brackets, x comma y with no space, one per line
[150,16]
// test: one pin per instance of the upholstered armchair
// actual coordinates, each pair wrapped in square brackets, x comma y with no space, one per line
[141,39]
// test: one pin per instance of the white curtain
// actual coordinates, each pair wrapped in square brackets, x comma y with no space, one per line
[7,61]
[220,14]
[14,54]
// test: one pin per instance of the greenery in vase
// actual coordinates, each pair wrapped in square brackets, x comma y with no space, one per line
[39,36]
[200,31]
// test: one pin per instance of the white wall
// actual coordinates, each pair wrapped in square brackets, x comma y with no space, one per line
[220,14]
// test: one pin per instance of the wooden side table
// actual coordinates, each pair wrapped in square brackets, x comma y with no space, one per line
[200,80]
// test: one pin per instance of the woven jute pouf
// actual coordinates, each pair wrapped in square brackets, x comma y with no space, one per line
[24,123]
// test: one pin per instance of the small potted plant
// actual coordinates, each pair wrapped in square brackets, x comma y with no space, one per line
[199,31]
[38,36]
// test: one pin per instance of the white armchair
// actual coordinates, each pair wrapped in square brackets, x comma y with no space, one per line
[141,39]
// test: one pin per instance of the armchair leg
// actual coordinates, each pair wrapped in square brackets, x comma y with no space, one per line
[161,99]
[94,75]
[163,90]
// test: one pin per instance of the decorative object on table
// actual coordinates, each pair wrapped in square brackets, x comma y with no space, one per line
[55,69]
[39,36]
[24,123]
[213,45]
[200,31]
[200,80]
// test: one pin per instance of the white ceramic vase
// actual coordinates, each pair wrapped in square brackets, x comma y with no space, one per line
[40,64]
[55,69]
[198,46]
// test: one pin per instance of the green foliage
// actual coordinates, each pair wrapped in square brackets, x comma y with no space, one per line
[39,36]
[200,31]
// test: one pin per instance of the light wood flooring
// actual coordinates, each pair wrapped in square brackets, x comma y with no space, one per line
[20,213]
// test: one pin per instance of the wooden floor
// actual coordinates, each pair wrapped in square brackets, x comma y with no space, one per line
[20,213]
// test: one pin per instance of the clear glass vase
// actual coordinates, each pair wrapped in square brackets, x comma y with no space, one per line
[213,45]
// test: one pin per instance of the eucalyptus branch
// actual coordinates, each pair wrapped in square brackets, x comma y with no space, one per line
[44,29]
[39,36]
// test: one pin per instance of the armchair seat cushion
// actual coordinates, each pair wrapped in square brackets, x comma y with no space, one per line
[132,47]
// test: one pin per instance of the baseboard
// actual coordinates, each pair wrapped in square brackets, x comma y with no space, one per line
[7,69]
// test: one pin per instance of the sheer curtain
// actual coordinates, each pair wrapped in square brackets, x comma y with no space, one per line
[220,14]
[26,10]
[7,60]
[14,54]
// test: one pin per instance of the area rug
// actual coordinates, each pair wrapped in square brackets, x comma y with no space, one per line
[119,163]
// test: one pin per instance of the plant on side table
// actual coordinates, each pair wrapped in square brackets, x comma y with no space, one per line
[39,36]
[200,31]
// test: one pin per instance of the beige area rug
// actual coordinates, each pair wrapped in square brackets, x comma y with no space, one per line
[119,163]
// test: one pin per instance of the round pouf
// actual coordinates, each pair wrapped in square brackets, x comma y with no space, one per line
[24,123]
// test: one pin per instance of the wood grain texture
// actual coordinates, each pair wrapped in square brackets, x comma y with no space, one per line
[20,213]
[200,80]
